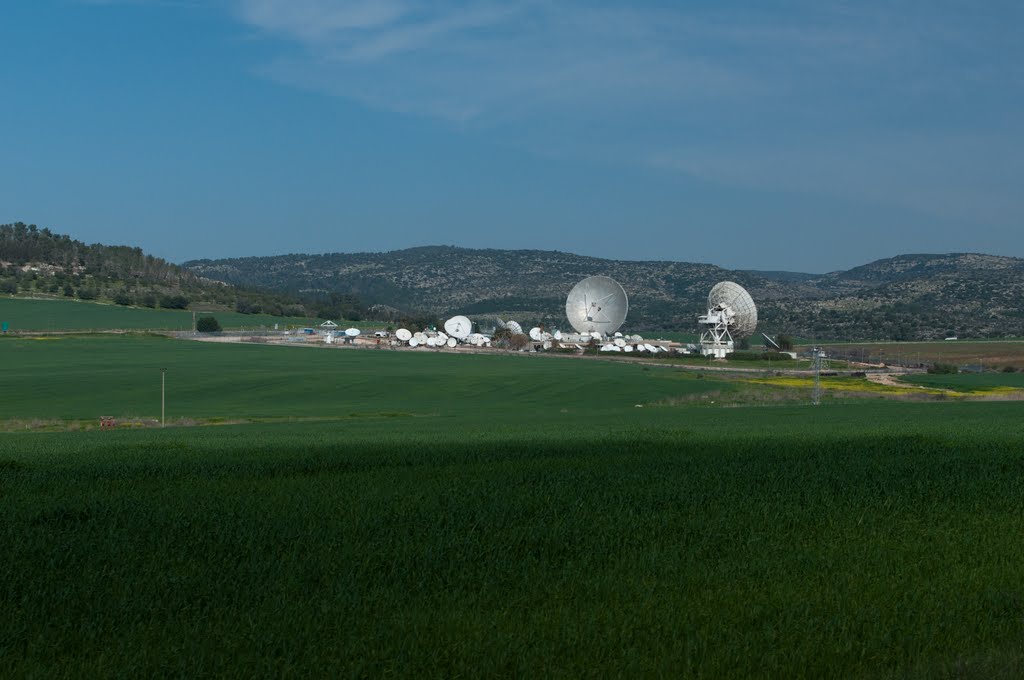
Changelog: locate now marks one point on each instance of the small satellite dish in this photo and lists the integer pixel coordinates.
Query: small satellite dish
(458, 327)
(431, 342)
(636, 339)
(641, 348)
(451, 342)
(352, 332)
(403, 334)
(558, 335)
(597, 303)
(649, 348)
(536, 334)
(420, 337)
(442, 338)
(618, 334)
(547, 344)
(414, 343)
(627, 348)
(619, 342)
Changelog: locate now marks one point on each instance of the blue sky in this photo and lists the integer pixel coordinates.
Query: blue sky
(808, 136)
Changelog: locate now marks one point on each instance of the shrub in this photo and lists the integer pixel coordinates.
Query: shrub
(174, 301)
(1009, 369)
(148, 300)
(8, 287)
(86, 294)
(939, 368)
(208, 324)
(122, 298)
(758, 356)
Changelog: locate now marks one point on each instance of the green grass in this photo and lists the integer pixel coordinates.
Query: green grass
(73, 377)
(30, 314)
(867, 541)
(968, 382)
(495, 515)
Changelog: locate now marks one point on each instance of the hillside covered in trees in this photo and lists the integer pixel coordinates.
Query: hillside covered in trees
(39, 262)
(909, 297)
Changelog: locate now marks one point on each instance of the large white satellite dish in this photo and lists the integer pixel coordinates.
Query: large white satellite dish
(403, 334)
(731, 314)
(352, 332)
(414, 342)
(536, 334)
(514, 327)
(458, 327)
(735, 297)
(597, 304)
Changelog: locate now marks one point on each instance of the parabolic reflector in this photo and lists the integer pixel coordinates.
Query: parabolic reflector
(735, 297)
(458, 327)
(403, 334)
(597, 304)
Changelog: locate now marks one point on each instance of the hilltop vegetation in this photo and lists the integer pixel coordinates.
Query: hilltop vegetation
(36, 261)
(910, 297)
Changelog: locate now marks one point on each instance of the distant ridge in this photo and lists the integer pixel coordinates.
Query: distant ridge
(907, 297)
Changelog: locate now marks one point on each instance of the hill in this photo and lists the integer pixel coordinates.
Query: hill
(39, 262)
(902, 298)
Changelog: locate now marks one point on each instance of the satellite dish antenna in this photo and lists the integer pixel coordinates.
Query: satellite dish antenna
(627, 348)
(414, 343)
(558, 335)
(547, 344)
(431, 342)
(536, 334)
(458, 327)
(442, 338)
(403, 334)
(731, 314)
(597, 304)
(649, 348)
(451, 342)
(352, 332)
(514, 327)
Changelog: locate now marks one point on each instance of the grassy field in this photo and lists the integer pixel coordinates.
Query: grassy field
(25, 314)
(864, 541)
(994, 353)
(493, 516)
(969, 382)
(76, 377)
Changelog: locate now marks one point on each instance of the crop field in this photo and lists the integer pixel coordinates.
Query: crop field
(36, 314)
(969, 382)
(403, 513)
(85, 377)
(993, 354)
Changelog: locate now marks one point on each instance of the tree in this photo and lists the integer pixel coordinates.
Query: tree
(785, 342)
(208, 324)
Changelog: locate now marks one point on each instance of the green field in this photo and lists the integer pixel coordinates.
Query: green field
(990, 353)
(27, 314)
(82, 377)
(492, 515)
(968, 382)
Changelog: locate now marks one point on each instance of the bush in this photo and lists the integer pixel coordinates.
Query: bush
(174, 302)
(86, 294)
(208, 324)
(1009, 369)
(122, 298)
(943, 369)
(148, 300)
(9, 287)
(69, 291)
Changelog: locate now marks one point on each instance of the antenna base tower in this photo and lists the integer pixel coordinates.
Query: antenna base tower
(716, 340)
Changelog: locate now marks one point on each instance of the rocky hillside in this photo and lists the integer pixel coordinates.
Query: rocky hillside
(902, 298)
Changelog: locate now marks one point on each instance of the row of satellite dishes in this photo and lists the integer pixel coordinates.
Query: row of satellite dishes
(596, 308)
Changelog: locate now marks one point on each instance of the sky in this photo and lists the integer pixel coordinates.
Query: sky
(794, 135)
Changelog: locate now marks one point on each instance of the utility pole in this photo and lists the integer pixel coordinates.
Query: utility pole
(163, 376)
